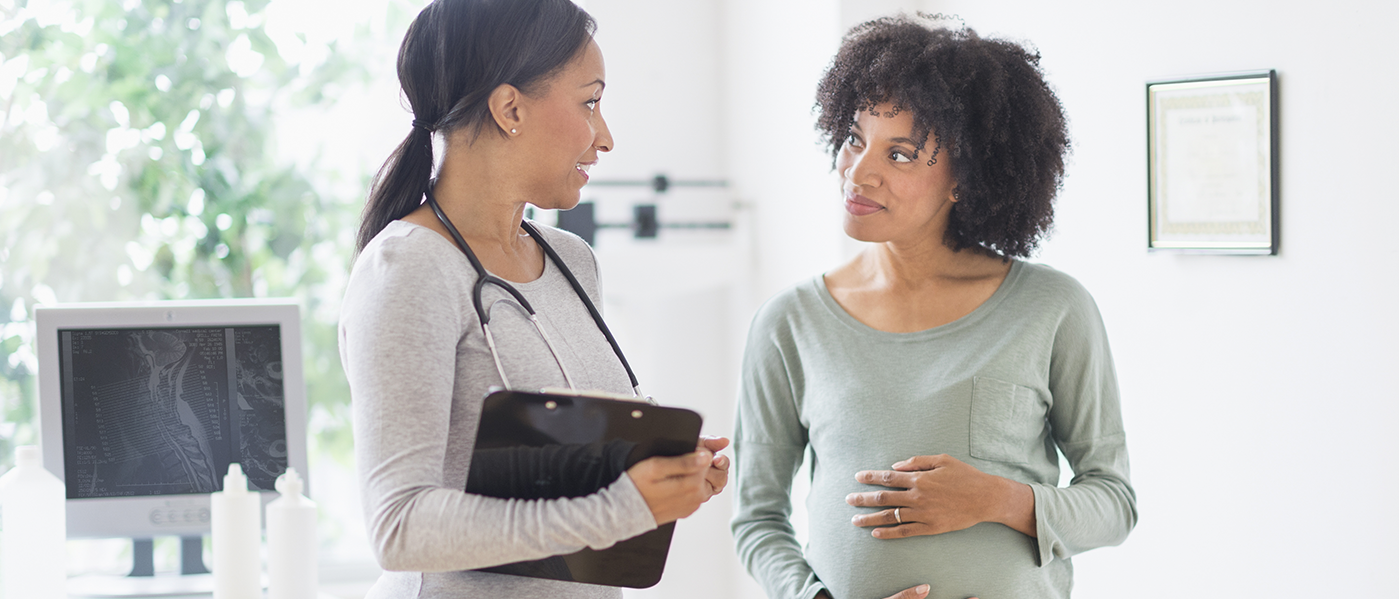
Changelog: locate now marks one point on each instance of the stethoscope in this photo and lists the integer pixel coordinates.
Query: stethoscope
(484, 278)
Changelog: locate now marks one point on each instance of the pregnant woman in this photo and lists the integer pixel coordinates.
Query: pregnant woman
(934, 378)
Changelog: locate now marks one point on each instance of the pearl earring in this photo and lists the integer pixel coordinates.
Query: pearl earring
(514, 131)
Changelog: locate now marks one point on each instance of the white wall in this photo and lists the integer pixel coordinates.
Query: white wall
(1258, 391)
(677, 304)
(775, 51)
(711, 90)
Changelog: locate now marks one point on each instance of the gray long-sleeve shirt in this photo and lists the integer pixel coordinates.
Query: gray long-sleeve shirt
(418, 367)
(1000, 388)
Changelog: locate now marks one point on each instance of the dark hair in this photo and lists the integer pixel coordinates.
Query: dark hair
(988, 106)
(454, 55)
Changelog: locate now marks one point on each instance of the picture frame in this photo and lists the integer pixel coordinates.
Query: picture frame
(1212, 164)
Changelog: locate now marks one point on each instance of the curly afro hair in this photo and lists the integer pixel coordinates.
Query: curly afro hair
(988, 107)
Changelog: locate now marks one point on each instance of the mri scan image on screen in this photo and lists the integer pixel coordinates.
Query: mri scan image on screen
(158, 411)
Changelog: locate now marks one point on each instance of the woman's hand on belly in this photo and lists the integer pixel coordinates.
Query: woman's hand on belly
(938, 494)
(918, 592)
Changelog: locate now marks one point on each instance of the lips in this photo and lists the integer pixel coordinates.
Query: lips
(859, 205)
(582, 168)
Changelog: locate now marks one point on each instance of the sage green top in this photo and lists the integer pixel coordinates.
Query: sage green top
(1002, 387)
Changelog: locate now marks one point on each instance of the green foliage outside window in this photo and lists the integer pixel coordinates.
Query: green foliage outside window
(139, 160)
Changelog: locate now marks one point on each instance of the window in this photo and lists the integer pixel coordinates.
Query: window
(179, 149)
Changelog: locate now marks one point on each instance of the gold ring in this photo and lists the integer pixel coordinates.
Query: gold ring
(896, 515)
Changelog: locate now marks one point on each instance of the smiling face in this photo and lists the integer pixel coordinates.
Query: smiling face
(889, 194)
(565, 131)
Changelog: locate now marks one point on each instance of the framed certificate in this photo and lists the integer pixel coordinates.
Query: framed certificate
(1212, 170)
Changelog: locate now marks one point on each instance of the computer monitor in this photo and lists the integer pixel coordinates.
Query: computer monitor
(142, 407)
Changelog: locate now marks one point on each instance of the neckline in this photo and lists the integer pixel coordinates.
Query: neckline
(969, 319)
(549, 265)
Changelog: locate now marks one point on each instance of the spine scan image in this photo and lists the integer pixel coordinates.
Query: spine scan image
(164, 411)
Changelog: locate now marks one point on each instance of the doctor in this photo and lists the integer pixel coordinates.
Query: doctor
(453, 292)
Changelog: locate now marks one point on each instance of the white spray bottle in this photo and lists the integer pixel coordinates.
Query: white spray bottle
(291, 541)
(34, 563)
(237, 537)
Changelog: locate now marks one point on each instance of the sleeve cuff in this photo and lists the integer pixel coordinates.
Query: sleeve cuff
(634, 515)
(1045, 538)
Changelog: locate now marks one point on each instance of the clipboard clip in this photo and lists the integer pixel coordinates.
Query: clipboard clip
(597, 395)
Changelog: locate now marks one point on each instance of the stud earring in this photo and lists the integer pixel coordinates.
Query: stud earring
(514, 131)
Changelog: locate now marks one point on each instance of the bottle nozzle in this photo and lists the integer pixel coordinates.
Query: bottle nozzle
(234, 481)
(28, 455)
(289, 483)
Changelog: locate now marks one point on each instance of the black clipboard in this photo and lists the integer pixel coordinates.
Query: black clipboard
(552, 445)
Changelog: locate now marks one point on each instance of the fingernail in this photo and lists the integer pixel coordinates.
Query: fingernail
(923, 588)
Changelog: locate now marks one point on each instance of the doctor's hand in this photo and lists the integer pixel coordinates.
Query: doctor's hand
(938, 494)
(918, 592)
(718, 474)
(673, 487)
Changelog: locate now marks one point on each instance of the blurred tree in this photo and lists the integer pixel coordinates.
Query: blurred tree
(138, 160)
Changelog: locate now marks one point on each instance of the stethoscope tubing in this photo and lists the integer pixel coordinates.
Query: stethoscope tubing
(483, 278)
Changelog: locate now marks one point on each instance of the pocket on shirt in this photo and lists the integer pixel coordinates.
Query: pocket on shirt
(1006, 420)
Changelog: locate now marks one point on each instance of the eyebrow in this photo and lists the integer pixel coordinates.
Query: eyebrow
(855, 127)
(595, 81)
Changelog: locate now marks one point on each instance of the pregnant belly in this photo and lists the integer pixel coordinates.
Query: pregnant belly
(988, 561)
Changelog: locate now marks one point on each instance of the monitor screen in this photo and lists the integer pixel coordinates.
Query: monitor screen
(144, 406)
(161, 411)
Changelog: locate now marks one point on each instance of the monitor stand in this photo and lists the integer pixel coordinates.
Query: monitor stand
(194, 579)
